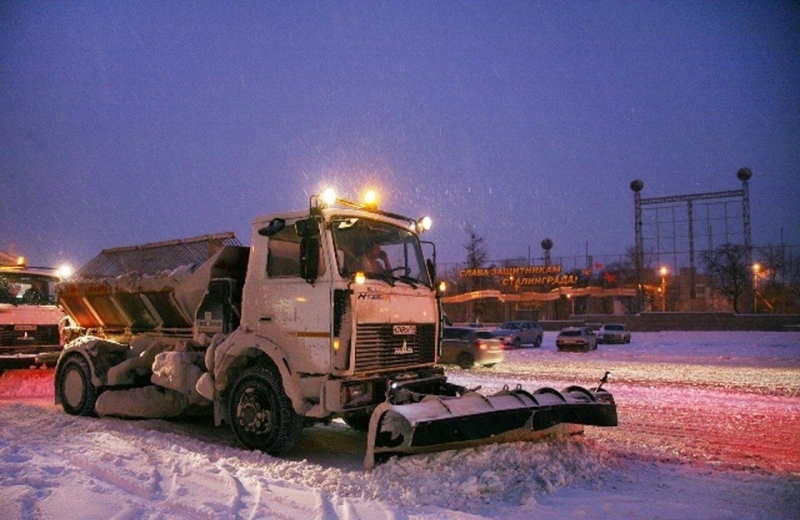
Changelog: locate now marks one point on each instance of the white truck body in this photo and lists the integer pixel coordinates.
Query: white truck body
(287, 332)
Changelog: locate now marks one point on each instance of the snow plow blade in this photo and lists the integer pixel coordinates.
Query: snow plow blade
(438, 423)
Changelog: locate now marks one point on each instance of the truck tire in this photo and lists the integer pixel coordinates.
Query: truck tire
(465, 360)
(74, 387)
(262, 416)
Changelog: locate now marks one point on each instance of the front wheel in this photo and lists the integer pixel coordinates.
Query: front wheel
(537, 342)
(74, 387)
(261, 414)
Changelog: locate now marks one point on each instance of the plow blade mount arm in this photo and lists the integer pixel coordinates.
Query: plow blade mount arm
(438, 423)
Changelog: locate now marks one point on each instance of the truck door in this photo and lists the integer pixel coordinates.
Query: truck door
(293, 312)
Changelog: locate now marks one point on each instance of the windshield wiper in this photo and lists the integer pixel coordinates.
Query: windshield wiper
(390, 278)
(385, 276)
(410, 280)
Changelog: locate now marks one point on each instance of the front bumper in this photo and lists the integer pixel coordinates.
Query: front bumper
(345, 395)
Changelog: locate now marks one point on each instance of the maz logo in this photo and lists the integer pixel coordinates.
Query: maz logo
(405, 349)
(371, 296)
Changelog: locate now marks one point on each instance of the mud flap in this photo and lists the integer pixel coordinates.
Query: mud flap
(439, 423)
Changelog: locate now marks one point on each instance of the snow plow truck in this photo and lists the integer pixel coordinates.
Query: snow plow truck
(331, 312)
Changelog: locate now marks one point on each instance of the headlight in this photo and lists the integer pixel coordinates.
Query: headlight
(424, 223)
(357, 394)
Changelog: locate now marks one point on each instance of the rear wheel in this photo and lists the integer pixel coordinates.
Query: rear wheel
(261, 414)
(537, 342)
(517, 343)
(74, 387)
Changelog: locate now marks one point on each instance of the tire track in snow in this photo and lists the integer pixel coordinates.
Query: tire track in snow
(118, 462)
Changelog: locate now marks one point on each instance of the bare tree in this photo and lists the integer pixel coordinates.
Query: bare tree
(779, 284)
(477, 254)
(727, 271)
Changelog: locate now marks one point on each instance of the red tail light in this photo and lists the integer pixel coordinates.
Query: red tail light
(481, 345)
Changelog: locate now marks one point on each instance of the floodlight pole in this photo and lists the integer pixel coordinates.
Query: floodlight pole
(744, 175)
(638, 252)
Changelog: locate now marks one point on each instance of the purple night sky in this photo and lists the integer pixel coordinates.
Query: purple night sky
(131, 122)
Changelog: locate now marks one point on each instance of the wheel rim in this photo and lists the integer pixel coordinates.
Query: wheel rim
(252, 415)
(74, 388)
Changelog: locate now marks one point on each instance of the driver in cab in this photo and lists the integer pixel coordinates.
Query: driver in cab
(374, 260)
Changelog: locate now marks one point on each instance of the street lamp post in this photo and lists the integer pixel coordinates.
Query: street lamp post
(572, 304)
(664, 272)
(756, 269)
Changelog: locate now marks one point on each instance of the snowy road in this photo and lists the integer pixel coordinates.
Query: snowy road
(739, 409)
(708, 427)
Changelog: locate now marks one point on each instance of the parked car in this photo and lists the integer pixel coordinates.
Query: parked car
(576, 339)
(518, 333)
(467, 347)
(614, 333)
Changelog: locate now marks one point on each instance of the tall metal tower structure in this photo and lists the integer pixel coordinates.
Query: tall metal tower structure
(671, 245)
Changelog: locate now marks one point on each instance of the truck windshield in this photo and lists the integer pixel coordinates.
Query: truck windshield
(18, 288)
(379, 250)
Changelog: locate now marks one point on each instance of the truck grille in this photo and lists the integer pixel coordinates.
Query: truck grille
(378, 348)
(28, 339)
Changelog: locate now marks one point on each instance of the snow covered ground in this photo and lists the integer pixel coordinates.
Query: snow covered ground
(708, 430)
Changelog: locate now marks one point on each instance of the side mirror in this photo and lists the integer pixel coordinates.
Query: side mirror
(309, 258)
(273, 227)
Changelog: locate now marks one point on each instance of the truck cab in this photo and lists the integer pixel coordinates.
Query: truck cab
(29, 316)
(345, 294)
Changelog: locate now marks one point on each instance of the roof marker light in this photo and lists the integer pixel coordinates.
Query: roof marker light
(328, 196)
(371, 200)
